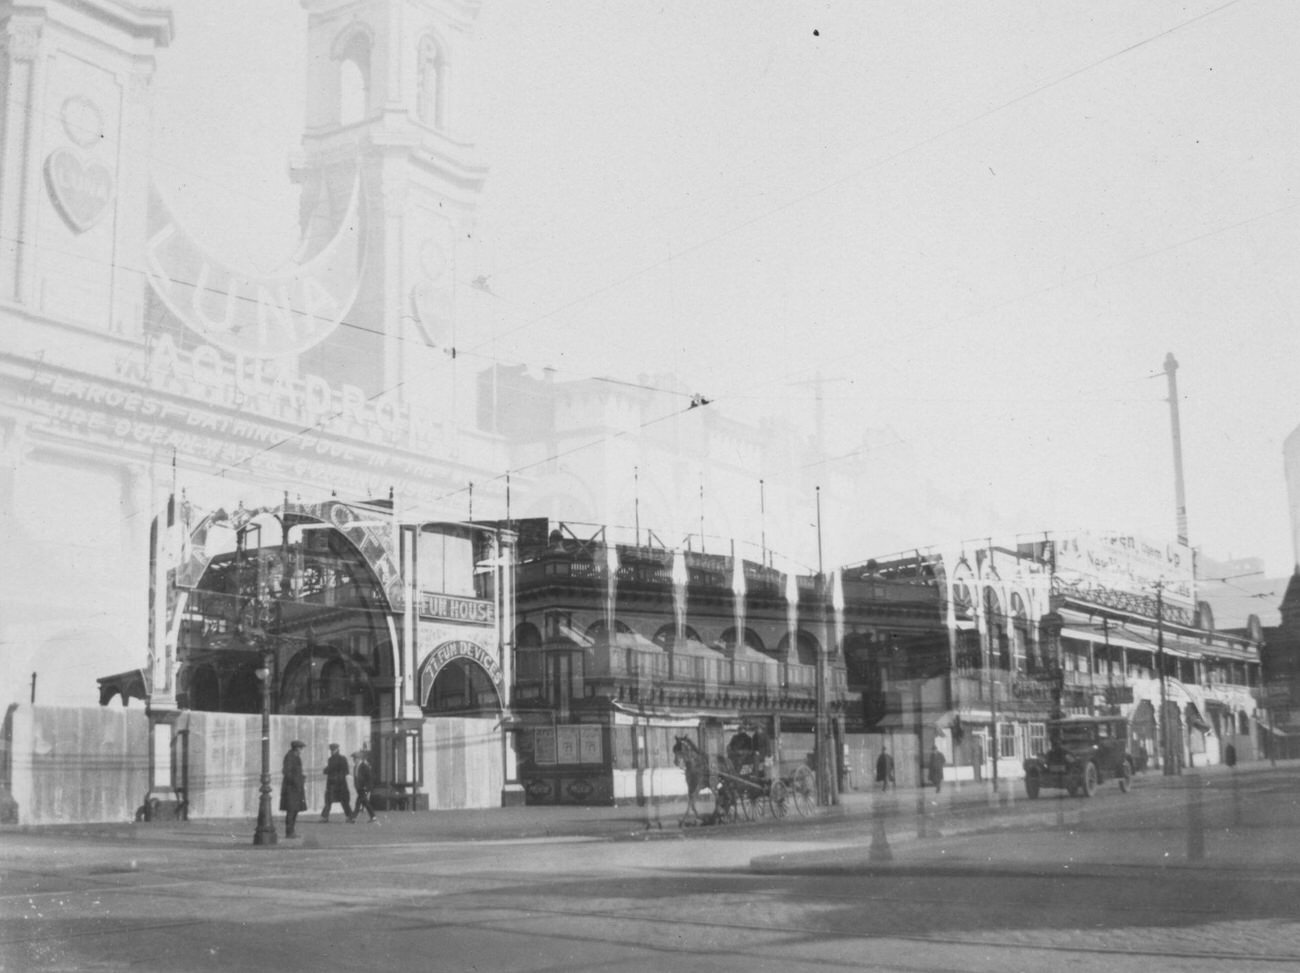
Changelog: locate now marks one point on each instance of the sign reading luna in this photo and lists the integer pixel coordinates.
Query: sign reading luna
(449, 652)
(255, 316)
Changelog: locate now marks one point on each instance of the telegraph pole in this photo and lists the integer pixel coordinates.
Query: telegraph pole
(820, 754)
(1180, 498)
(1166, 742)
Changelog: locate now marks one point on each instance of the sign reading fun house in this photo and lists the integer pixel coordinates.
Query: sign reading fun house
(452, 608)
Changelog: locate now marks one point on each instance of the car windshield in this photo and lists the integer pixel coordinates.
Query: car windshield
(1074, 734)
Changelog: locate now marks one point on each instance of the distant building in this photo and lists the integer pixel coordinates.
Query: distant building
(1281, 657)
(622, 647)
(1086, 623)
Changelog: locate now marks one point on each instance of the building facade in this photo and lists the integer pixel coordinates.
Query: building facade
(1099, 624)
(155, 398)
(621, 647)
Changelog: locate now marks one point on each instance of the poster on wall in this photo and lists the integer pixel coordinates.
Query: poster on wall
(566, 744)
(544, 746)
(591, 748)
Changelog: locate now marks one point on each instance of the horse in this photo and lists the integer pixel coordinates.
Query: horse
(695, 763)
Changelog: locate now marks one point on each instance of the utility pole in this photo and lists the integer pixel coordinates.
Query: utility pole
(823, 750)
(1166, 742)
(1180, 498)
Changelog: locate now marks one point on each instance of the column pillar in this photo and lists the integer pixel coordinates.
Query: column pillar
(22, 41)
(162, 803)
(512, 792)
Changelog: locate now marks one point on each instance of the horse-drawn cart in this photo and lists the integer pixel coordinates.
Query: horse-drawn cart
(743, 790)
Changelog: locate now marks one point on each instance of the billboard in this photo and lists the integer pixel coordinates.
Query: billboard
(1104, 564)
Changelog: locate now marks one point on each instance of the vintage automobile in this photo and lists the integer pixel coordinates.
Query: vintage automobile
(1083, 752)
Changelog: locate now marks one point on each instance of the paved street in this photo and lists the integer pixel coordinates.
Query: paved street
(1200, 872)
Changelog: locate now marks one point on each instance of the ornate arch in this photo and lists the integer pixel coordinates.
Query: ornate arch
(368, 540)
(474, 666)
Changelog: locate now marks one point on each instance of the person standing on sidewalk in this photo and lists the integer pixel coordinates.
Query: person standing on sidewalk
(936, 767)
(293, 787)
(884, 769)
(336, 783)
(363, 779)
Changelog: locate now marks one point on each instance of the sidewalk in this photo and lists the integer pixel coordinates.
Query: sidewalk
(891, 819)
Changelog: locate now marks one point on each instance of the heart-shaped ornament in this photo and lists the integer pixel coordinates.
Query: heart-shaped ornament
(81, 190)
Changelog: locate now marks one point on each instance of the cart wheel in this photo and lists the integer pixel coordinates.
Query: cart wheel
(803, 789)
(776, 797)
(745, 805)
(757, 805)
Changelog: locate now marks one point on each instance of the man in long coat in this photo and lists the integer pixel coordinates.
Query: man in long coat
(937, 761)
(336, 783)
(293, 787)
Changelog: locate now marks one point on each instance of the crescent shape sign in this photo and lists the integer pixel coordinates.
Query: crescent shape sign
(255, 316)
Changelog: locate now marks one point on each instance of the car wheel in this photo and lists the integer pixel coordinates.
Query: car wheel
(1031, 787)
(1089, 780)
(1125, 777)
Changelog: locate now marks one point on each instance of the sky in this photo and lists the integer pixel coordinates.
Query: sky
(978, 229)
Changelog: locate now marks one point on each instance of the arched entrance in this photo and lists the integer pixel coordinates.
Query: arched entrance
(461, 692)
(308, 585)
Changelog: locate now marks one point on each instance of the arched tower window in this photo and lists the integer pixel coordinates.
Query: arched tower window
(432, 74)
(354, 78)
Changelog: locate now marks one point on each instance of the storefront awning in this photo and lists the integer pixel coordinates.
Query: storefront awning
(907, 721)
(1097, 636)
(1084, 628)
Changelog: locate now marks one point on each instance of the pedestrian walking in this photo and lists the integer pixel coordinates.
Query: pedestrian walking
(363, 779)
(884, 769)
(936, 767)
(293, 787)
(336, 783)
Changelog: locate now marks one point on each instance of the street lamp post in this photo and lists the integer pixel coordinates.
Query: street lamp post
(265, 833)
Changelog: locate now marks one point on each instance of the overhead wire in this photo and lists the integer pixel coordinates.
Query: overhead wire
(476, 350)
(879, 163)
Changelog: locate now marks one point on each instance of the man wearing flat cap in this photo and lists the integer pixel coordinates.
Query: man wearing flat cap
(293, 787)
(363, 779)
(336, 783)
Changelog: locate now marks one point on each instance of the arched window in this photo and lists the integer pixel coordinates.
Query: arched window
(430, 99)
(748, 637)
(354, 79)
(1022, 650)
(598, 631)
(666, 636)
(806, 648)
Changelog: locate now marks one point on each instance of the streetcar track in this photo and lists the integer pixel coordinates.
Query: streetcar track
(517, 915)
(510, 915)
